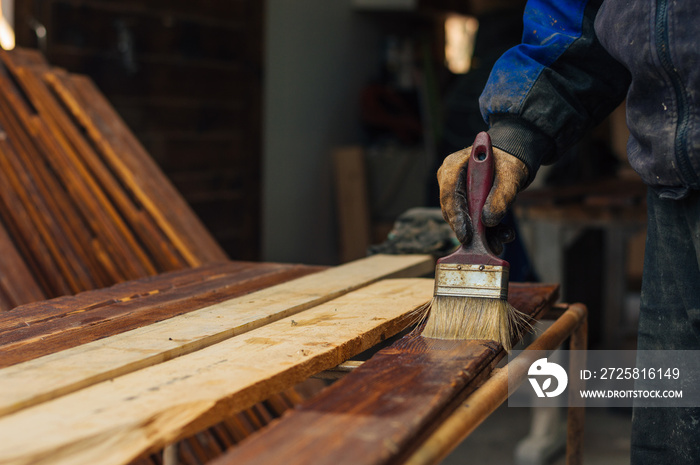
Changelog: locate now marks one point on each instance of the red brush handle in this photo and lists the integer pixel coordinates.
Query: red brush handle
(480, 173)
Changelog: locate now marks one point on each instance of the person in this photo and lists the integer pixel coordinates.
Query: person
(578, 61)
(500, 28)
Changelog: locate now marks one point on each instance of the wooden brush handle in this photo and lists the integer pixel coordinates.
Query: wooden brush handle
(480, 174)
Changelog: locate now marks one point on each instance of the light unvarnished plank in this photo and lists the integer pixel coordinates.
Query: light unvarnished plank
(48, 377)
(115, 421)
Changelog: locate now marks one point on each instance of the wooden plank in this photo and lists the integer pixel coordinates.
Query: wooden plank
(30, 244)
(42, 184)
(110, 232)
(381, 411)
(53, 375)
(126, 291)
(80, 224)
(128, 159)
(402, 388)
(17, 285)
(494, 391)
(90, 166)
(18, 182)
(50, 326)
(117, 420)
(86, 191)
(37, 206)
(352, 202)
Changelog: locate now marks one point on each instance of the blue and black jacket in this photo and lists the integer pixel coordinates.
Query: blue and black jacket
(578, 60)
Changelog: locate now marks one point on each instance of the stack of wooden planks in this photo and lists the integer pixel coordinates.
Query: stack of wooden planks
(82, 205)
(186, 78)
(115, 395)
(34, 331)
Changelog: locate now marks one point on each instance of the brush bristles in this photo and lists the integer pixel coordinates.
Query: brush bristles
(475, 318)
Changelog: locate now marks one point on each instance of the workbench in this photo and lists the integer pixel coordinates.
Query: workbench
(109, 375)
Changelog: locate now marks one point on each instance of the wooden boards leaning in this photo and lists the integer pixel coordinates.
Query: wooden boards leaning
(82, 203)
(12, 264)
(56, 374)
(116, 420)
(381, 411)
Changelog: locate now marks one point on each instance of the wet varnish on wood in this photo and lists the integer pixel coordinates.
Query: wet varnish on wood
(381, 411)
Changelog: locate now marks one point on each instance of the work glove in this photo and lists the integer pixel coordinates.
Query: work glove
(510, 176)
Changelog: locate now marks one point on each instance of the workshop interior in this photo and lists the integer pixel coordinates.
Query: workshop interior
(219, 224)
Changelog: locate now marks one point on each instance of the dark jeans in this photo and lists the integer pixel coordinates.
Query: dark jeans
(669, 320)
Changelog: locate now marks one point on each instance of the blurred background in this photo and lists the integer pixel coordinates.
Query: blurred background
(301, 130)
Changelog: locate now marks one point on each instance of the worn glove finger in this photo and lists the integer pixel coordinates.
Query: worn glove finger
(453, 196)
(505, 234)
(510, 177)
(498, 236)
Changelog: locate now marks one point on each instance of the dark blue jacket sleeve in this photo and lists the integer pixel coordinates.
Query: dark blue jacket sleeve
(543, 94)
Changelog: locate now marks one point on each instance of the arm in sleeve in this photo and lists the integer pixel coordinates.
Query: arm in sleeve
(543, 94)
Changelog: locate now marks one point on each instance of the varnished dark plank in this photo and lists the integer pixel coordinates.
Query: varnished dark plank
(383, 410)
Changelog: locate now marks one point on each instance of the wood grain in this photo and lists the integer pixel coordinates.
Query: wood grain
(111, 233)
(62, 372)
(494, 391)
(12, 267)
(81, 201)
(127, 157)
(45, 327)
(114, 421)
(381, 411)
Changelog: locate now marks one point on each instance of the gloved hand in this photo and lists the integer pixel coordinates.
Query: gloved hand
(510, 177)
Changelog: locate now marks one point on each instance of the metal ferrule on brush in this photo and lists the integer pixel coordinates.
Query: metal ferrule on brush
(465, 280)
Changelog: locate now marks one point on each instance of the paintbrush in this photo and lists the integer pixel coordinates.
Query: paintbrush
(471, 284)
